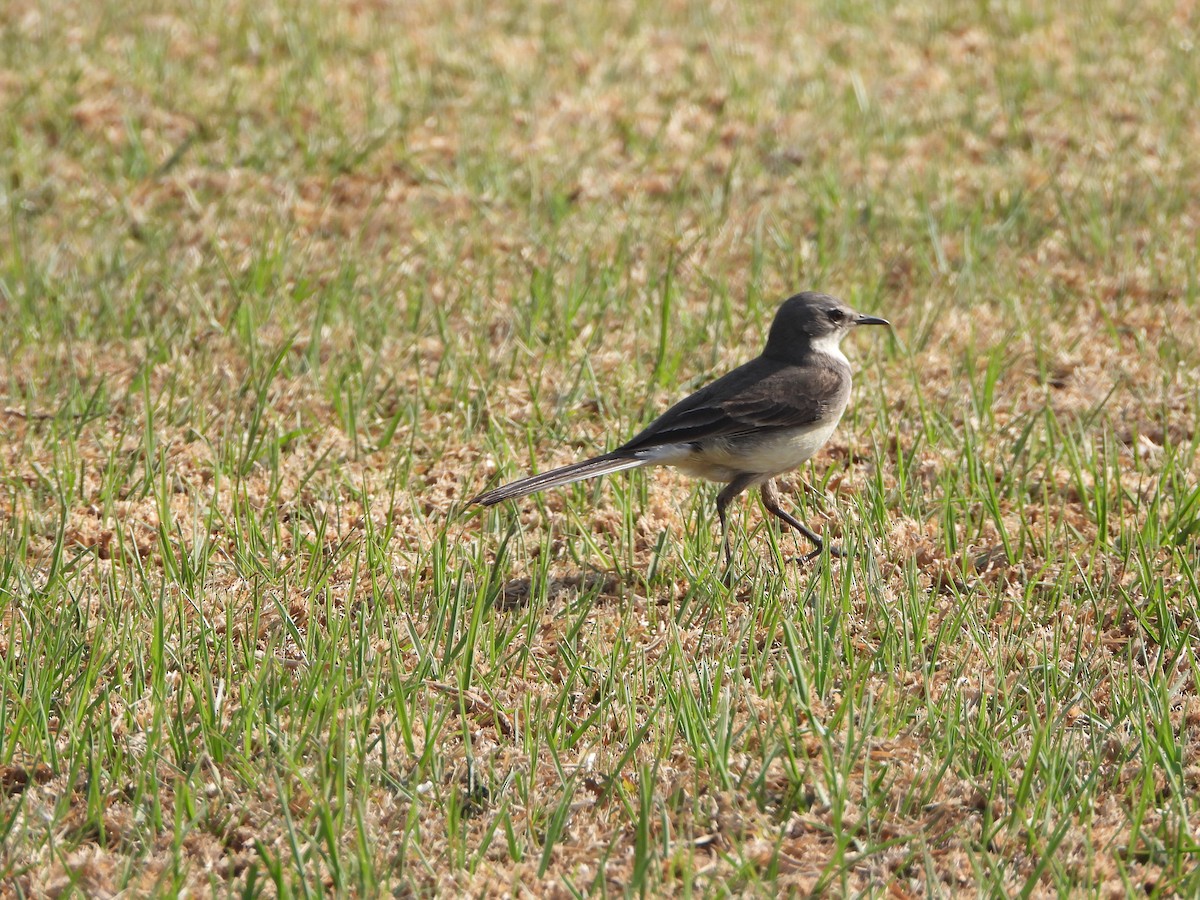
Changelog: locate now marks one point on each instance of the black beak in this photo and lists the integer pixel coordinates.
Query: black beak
(872, 320)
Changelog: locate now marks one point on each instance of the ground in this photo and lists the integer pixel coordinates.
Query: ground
(282, 285)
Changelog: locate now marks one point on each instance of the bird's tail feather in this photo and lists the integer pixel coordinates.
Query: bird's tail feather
(589, 468)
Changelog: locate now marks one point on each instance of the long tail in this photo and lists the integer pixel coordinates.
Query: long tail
(589, 468)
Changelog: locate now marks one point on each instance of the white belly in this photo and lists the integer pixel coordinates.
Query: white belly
(723, 459)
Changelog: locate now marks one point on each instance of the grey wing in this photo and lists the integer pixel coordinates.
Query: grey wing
(759, 395)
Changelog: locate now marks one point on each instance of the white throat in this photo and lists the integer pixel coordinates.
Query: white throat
(829, 344)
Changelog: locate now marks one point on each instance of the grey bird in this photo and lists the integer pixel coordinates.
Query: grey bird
(764, 418)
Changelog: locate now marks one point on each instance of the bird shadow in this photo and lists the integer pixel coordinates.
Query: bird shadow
(570, 588)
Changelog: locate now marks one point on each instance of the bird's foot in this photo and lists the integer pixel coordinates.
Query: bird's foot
(834, 550)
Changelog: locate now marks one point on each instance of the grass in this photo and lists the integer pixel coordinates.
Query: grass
(281, 285)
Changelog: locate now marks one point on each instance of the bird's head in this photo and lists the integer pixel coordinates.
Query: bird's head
(812, 321)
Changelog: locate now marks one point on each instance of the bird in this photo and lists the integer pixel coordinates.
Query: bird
(761, 420)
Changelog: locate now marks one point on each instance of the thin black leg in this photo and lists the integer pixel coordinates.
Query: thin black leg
(770, 499)
(731, 490)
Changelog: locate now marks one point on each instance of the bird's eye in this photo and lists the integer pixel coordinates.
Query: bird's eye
(835, 315)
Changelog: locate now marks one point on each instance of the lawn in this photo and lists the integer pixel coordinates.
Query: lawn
(283, 284)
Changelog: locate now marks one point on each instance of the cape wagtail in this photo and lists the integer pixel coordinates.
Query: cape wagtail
(764, 418)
